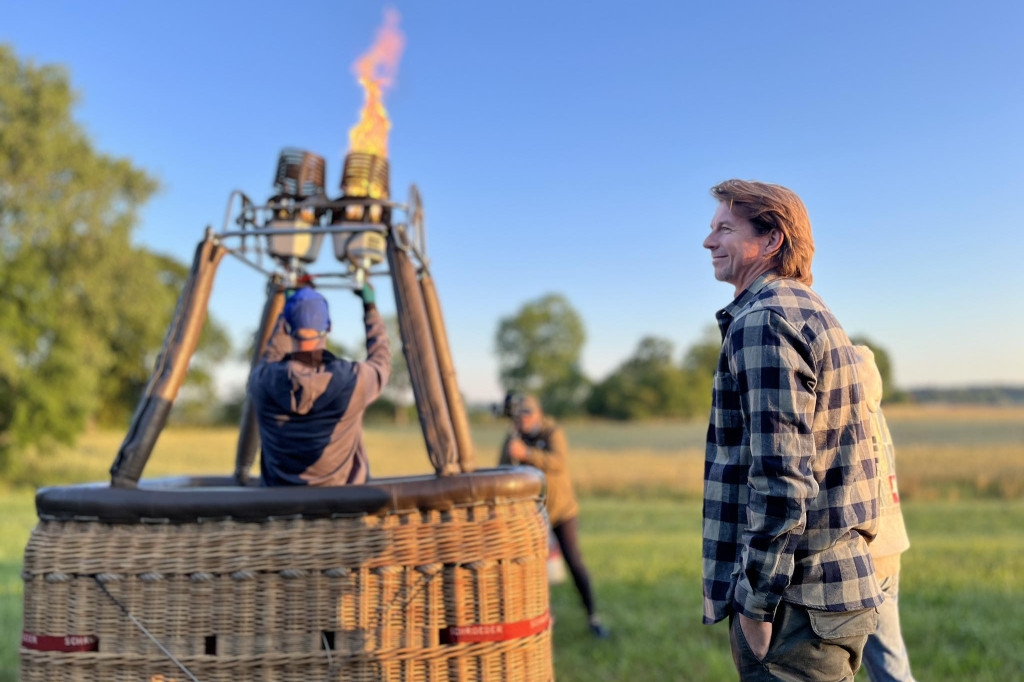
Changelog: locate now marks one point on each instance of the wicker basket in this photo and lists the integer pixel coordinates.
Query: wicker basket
(402, 579)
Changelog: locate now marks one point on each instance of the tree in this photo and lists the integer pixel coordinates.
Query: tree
(81, 305)
(699, 364)
(702, 357)
(648, 384)
(538, 351)
(156, 282)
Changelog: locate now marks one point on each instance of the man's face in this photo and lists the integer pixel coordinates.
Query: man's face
(738, 254)
(527, 419)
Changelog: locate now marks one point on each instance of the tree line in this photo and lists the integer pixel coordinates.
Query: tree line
(539, 350)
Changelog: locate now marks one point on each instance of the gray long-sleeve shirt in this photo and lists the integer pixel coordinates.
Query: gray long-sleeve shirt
(309, 406)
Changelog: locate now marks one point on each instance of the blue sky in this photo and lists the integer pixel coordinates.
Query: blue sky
(569, 147)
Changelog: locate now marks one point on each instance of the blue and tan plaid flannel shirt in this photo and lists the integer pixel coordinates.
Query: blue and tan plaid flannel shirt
(789, 476)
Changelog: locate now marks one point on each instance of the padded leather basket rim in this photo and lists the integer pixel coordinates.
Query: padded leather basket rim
(193, 499)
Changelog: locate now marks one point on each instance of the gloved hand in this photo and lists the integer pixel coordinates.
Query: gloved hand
(304, 280)
(367, 294)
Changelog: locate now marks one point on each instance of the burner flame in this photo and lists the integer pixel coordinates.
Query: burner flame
(376, 70)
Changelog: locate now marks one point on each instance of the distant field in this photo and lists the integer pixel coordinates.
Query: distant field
(943, 453)
(961, 474)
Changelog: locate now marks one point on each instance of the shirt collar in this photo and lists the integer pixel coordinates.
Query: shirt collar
(318, 356)
(725, 315)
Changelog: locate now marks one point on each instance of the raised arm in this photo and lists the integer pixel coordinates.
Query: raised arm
(375, 371)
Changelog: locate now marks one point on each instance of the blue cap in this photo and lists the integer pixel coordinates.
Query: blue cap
(307, 309)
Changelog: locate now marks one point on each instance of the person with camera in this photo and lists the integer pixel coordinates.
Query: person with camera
(309, 404)
(538, 441)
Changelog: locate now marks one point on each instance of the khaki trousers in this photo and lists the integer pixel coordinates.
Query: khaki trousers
(807, 645)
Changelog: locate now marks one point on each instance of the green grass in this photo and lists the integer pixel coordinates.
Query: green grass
(17, 517)
(644, 560)
(961, 595)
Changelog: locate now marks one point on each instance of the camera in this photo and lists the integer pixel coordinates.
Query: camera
(505, 409)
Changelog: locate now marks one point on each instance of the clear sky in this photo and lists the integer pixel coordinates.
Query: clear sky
(569, 147)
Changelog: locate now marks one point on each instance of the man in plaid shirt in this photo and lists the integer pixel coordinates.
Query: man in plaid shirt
(790, 488)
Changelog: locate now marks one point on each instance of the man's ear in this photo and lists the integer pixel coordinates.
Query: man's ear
(775, 239)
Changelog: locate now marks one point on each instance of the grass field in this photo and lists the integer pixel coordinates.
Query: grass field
(962, 597)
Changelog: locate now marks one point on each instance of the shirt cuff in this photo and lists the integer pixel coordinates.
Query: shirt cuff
(755, 606)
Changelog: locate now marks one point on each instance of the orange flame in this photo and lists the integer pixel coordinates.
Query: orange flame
(376, 70)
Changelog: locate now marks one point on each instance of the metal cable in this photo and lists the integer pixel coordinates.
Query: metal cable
(146, 632)
(330, 663)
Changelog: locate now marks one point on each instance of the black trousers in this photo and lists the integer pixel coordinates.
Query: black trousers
(566, 534)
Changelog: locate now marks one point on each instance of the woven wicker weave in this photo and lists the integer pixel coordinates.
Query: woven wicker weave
(357, 597)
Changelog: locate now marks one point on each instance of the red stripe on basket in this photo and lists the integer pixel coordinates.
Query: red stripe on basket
(64, 643)
(495, 632)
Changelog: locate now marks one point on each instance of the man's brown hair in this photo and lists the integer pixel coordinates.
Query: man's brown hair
(774, 207)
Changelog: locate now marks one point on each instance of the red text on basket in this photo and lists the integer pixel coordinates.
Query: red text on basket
(495, 632)
(59, 643)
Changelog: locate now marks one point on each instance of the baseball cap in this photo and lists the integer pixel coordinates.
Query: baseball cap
(524, 405)
(306, 309)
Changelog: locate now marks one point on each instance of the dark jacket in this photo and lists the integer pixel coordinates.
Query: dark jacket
(309, 406)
